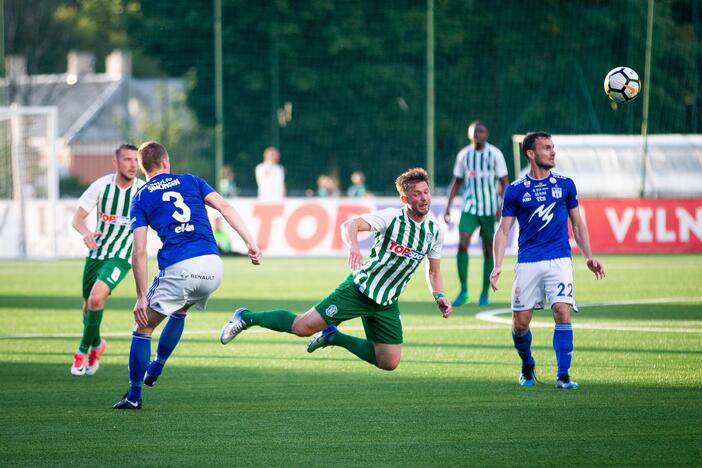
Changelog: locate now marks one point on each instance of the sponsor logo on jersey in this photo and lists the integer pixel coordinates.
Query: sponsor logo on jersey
(164, 184)
(202, 277)
(556, 192)
(400, 249)
(526, 197)
(552, 180)
(544, 213)
(113, 219)
(185, 227)
(471, 173)
(331, 310)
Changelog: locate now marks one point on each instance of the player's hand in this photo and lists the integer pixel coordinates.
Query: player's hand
(494, 277)
(140, 315)
(445, 307)
(447, 216)
(254, 254)
(90, 239)
(498, 215)
(355, 258)
(596, 267)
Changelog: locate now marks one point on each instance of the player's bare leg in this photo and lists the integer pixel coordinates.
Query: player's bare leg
(563, 344)
(521, 335)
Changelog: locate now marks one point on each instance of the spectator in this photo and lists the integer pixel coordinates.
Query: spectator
(221, 236)
(327, 187)
(270, 176)
(227, 185)
(358, 185)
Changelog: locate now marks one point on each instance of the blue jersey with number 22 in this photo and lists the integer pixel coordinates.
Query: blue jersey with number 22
(173, 205)
(541, 208)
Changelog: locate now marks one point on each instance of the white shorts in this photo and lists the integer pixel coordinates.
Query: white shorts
(188, 282)
(536, 281)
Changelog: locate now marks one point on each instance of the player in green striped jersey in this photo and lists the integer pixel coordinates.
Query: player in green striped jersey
(478, 168)
(110, 247)
(402, 238)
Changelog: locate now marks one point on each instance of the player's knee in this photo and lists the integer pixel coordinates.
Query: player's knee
(96, 302)
(300, 329)
(388, 363)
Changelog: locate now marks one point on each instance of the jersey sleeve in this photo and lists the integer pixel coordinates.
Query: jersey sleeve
(500, 164)
(435, 251)
(571, 196)
(458, 171)
(509, 207)
(137, 214)
(89, 199)
(380, 220)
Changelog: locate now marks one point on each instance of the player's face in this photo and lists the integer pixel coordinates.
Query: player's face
(544, 153)
(418, 199)
(478, 134)
(127, 163)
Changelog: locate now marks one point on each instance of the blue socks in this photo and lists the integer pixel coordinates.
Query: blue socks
(138, 360)
(170, 336)
(522, 343)
(563, 346)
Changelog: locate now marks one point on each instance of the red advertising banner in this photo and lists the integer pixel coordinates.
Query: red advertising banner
(648, 225)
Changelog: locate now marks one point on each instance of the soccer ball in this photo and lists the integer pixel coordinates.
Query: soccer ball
(622, 84)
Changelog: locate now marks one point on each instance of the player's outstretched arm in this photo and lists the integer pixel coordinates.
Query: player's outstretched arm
(89, 238)
(436, 285)
(499, 244)
(582, 239)
(216, 201)
(140, 271)
(455, 185)
(349, 235)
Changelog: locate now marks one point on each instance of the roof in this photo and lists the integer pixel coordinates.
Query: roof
(95, 107)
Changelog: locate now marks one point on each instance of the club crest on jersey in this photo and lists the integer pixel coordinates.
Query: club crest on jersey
(331, 310)
(400, 249)
(556, 192)
(527, 183)
(526, 197)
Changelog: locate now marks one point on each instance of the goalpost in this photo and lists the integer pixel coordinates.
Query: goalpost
(29, 182)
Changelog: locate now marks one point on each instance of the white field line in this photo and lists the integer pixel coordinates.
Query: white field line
(486, 316)
(492, 317)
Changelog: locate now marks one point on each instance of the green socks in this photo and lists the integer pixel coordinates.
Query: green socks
(488, 265)
(362, 348)
(276, 320)
(91, 330)
(462, 264)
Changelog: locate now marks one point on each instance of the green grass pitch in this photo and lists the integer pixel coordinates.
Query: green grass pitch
(454, 400)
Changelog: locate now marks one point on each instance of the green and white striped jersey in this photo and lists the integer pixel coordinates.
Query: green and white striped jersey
(400, 245)
(480, 171)
(112, 204)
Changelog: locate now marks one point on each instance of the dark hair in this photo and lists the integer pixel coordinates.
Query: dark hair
(530, 140)
(150, 155)
(124, 146)
(475, 123)
(409, 178)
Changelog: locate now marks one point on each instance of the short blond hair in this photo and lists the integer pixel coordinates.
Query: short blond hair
(407, 179)
(150, 155)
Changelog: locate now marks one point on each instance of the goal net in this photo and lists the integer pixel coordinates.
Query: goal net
(28, 182)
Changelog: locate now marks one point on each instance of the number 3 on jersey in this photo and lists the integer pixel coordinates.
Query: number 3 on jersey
(180, 216)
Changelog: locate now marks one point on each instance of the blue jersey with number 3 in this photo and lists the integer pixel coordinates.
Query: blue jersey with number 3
(541, 208)
(174, 206)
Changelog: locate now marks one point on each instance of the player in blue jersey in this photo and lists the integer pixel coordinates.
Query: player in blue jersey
(541, 202)
(189, 265)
